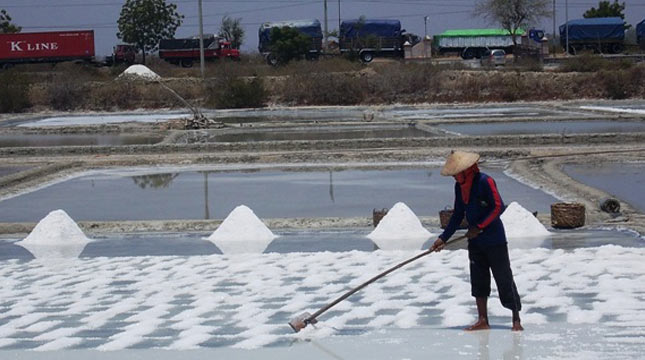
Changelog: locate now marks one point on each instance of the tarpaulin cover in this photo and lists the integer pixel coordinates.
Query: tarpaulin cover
(640, 29)
(308, 27)
(367, 27)
(609, 28)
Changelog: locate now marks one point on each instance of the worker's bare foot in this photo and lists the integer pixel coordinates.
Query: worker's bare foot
(517, 326)
(481, 324)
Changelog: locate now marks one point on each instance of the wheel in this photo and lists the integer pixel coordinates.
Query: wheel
(186, 63)
(272, 60)
(468, 54)
(367, 57)
(616, 48)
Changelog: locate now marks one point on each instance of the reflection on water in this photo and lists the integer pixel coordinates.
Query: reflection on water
(37, 140)
(270, 193)
(154, 181)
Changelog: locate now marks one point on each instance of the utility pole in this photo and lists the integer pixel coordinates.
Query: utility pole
(201, 39)
(339, 18)
(425, 26)
(553, 42)
(326, 28)
(566, 24)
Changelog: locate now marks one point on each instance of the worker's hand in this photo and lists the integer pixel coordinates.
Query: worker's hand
(472, 232)
(438, 245)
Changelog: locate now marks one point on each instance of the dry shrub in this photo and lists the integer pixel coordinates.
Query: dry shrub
(402, 82)
(593, 63)
(323, 89)
(67, 93)
(154, 95)
(14, 90)
(236, 92)
(530, 64)
(115, 95)
(622, 84)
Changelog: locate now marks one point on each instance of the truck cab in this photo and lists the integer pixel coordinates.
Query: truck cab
(123, 54)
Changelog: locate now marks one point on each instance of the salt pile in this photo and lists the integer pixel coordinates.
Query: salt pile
(55, 236)
(520, 223)
(400, 229)
(140, 71)
(242, 232)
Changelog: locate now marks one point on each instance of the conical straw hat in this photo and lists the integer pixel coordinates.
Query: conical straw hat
(458, 161)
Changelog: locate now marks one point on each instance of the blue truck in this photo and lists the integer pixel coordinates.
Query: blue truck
(640, 34)
(600, 35)
(370, 38)
(311, 28)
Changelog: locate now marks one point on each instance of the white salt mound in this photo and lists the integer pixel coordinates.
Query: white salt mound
(56, 235)
(520, 223)
(242, 232)
(140, 71)
(400, 229)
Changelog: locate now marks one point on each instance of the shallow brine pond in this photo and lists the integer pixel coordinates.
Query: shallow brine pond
(545, 127)
(624, 181)
(145, 195)
(37, 140)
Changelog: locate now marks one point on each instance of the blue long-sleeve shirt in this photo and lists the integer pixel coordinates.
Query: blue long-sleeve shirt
(483, 210)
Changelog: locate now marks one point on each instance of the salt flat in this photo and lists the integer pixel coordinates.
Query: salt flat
(245, 301)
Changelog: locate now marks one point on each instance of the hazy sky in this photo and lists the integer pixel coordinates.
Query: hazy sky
(101, 15)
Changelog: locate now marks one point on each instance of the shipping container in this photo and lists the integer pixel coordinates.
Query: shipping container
(53, 46)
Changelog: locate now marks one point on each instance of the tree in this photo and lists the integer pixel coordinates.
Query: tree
(6, 27)
(231, 30)
(607, 9)
(513, 15)
(145, 22)
(288, 44)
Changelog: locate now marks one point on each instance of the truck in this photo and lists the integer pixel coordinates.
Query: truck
(309, 27)
(600, 35)
(185, 52)
(640, 34)
(370, 38)
(474, 43)
(58, 46)
(122, 54)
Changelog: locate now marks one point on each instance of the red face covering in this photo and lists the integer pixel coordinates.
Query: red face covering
(465, 180)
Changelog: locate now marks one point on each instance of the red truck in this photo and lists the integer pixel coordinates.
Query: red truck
(57, 46)
(185, 52)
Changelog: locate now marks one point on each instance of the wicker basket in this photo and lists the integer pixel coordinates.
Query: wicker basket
(377, 215)
(567, 215)
(444, 218)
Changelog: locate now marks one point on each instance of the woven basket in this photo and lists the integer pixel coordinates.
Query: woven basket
(444, 218)
(567, 215)
(377, 215)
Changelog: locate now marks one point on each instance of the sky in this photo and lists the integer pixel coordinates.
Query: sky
(101, 15)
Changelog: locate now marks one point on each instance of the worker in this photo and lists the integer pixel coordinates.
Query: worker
(477, 198)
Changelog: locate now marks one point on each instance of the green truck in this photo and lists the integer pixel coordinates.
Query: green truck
(474, 43)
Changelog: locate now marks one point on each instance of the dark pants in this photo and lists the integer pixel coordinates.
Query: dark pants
(494, 258)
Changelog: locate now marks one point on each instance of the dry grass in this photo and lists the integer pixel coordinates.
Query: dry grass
(334, 81)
